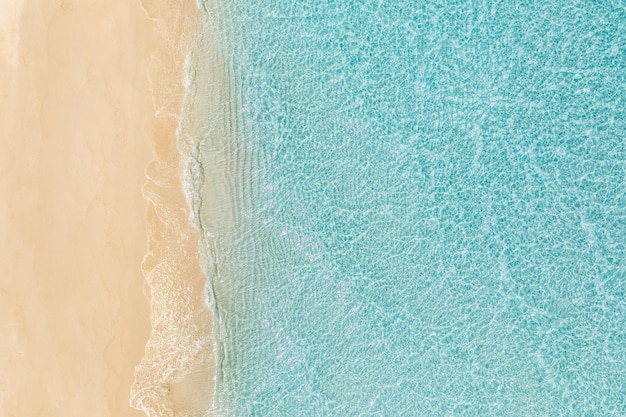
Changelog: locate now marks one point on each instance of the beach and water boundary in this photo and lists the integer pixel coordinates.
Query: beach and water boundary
(180, 373)
(190, 189)
(91, 169)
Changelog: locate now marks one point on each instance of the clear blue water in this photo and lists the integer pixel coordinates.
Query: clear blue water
(432, 209)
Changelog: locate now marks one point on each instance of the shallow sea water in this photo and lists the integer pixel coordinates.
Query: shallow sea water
(431, 209)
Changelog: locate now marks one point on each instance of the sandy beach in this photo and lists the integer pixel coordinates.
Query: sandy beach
(79, 127)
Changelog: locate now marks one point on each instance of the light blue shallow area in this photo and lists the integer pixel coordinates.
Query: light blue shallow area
(433, 219)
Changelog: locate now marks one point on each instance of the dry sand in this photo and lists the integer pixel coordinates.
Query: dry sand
(77, 132)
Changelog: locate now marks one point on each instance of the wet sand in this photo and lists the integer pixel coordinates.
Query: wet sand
(78, 131)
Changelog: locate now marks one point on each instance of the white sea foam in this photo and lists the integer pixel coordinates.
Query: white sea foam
(177, 375)
(175, 340)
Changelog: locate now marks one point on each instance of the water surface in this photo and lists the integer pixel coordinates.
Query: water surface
(432, 217)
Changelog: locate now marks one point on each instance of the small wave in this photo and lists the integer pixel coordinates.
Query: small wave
(177, 374)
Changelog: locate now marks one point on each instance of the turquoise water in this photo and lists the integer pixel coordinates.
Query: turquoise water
(432, 209)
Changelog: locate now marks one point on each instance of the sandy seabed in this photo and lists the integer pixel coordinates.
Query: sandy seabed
(90, 94)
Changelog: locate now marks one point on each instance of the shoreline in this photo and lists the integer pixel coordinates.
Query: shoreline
(189, 188)
(118, 125)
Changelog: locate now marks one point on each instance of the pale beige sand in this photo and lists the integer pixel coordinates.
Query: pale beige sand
(77, 130)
